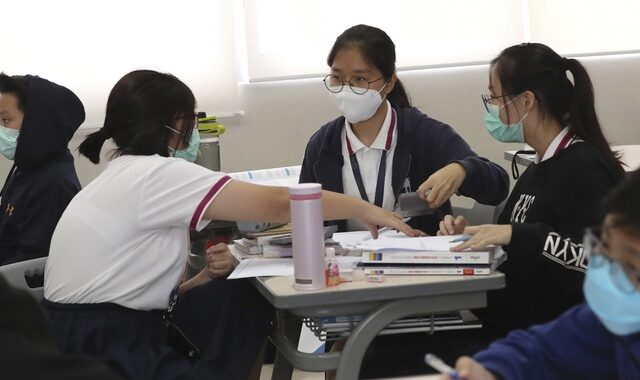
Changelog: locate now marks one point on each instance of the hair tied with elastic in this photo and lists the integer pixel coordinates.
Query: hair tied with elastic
(565, 64)
(104, 134)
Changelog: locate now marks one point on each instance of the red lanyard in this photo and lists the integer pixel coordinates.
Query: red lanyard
(565, 142)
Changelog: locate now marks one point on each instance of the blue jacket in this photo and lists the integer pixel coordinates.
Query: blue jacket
(576, 345)
(423, 147)
(43, 179)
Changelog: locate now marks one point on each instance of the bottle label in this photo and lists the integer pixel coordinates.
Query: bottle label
(304, 281)
(332, 274)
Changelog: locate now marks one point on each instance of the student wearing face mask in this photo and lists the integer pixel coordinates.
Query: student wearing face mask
(120, 248)
(533, 100)
(382, 146)
(596, 340)
(37, 120)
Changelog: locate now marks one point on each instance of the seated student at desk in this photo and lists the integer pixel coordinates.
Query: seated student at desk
(120, 248)
(37, 120)
(541, 227)
(597, 340)
(383, 146)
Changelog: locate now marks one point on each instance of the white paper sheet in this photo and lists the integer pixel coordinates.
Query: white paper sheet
(426, 243)
(281, 267)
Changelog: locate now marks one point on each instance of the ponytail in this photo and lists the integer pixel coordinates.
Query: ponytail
(536, 67)
(398, 96)
(583, 120)
(92, 145)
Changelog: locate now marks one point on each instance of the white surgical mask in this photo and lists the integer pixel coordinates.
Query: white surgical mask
(357, 107)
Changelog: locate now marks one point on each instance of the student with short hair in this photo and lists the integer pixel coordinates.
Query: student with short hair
(120, 248)
(381, 146)
(596, 340)
(37, 120)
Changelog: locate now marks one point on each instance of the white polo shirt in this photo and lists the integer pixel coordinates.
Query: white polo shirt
(369, 163)
(124, 238)
(561, 141)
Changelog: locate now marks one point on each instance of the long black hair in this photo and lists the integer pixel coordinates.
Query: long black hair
(377, 48)
(537, 68)
(140, 107)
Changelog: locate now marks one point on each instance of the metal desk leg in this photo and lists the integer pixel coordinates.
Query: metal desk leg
(290, 326)
(369, 327)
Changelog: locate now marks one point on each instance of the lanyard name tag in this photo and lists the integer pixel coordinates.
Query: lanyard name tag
(355, 167)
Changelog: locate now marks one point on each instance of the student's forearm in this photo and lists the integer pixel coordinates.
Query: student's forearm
(339, 206)
(197, 280)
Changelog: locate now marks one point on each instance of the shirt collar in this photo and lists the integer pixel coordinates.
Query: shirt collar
(551, 149)
(380, 140)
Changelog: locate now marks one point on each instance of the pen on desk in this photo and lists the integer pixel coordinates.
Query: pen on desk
(383, 229)
(461, 238)
(440, 366)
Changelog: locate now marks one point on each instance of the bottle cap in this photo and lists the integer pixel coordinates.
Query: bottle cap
(305, 189)
(330, 252)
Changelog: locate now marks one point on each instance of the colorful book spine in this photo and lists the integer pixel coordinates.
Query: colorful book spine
(416, 257)
(426, 270)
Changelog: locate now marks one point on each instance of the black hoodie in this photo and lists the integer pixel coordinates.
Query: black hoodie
(27, 347)
(43, 179)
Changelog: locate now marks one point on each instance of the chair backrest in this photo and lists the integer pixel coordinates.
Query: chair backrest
(27, 275)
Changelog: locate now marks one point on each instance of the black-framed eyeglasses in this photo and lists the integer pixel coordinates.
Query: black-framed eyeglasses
(487, 98)
(598, 253)
(359, 85)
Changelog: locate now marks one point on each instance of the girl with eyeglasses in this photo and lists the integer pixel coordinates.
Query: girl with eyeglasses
(119, 250)
(547, 101)
(596, 340)
(382, 146)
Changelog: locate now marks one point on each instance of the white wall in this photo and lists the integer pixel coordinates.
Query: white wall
(282, 115)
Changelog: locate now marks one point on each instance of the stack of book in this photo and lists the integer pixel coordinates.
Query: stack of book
(430, 255)
(262, 243)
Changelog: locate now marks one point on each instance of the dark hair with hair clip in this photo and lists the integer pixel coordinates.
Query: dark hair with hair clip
(16, 85)
(140, 107)
(537, 68)
(377, 48)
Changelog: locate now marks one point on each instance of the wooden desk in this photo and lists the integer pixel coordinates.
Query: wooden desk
(379, 303)
(630, 156)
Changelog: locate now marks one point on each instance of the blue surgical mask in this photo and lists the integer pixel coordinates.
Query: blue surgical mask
(499, 130)
(8, 141)
(190, 153)
(618, 311)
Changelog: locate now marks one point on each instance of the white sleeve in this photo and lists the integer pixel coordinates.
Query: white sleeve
(177, 194)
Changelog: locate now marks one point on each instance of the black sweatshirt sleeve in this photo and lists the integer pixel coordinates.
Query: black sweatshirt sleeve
(485, 181)
(555, 254)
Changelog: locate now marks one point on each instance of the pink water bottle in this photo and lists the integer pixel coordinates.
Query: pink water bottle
(308, 236)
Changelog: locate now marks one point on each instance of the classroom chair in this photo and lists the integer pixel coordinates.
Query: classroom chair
(27, 275)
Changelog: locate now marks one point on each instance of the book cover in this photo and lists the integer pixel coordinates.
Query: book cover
(378, 268)
(429, 257)
(427, 270)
